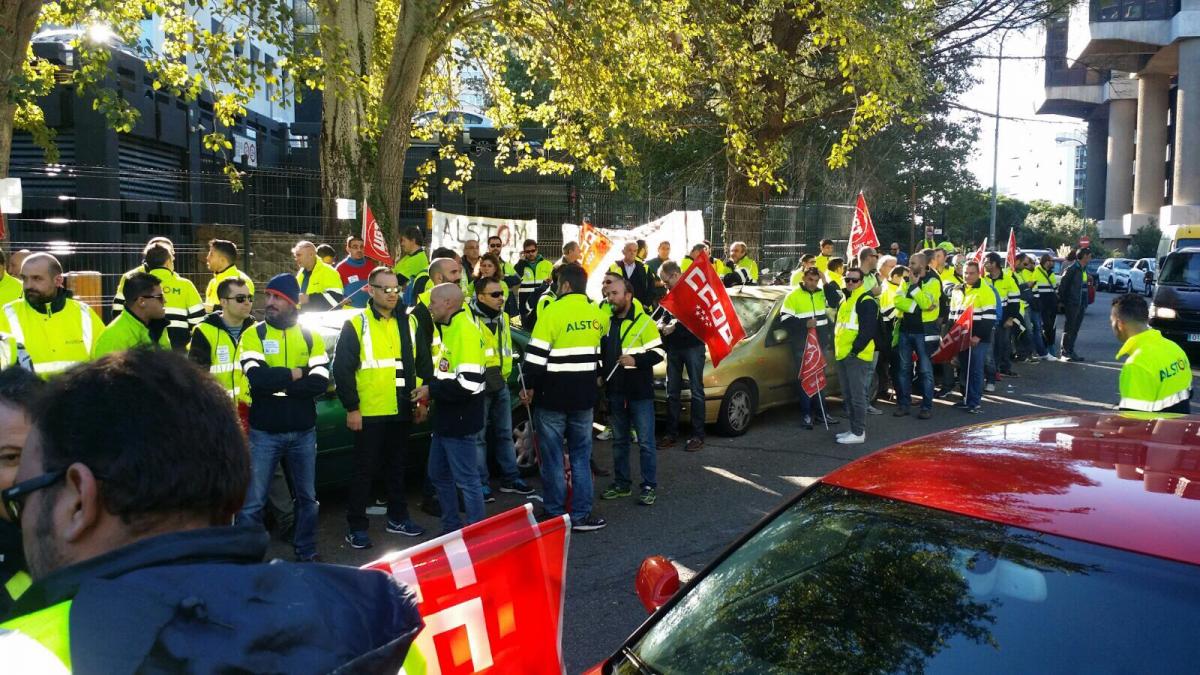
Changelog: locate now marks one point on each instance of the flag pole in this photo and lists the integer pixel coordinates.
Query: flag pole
(967, 379)
(635, 337)
(821, 402)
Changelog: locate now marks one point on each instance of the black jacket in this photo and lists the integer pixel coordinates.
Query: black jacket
(868, 323)
(12, 560)
(283, 414)
(1070, 287)
(640, 280)
(680, 339)
(202, 601)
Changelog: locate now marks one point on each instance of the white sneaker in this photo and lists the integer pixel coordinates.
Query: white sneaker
(842, 434)
(872, 410)
(605, 435)
(1049, 357)
(990, 386)
(851, 439)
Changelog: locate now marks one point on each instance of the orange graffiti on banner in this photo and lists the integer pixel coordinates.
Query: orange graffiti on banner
(593, 246)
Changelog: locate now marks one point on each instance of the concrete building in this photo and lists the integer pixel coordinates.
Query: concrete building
(1131, 69)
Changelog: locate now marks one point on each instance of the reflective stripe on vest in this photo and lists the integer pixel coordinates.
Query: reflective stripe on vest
(52, 367)
(39, 642)
(368, 361)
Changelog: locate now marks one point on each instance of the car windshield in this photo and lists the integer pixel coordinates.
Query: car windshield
(1122, 264)
(847, 582)
(752, 312)
(1182, 270)
(1186, 242)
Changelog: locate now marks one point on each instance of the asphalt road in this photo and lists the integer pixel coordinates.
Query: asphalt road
(706, 499)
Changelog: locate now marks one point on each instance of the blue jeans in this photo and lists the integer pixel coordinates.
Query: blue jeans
(692, 360)
(575, 428)
(298, 450)
(452, 464)
(497, 431)
(914, 343)
(639, 415)
(973, 371)
(1035, 330)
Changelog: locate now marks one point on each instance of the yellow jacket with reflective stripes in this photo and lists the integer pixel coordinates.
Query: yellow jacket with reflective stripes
(323, 286)
(184, 307)
(983, 299)
(55, 337)
(128, 332)
(563, 355)
(458, 384)
(411, 264)
(213, 348)
(1156, 375)
(381, 373)
(497, 343)
(211, 301)
(847, 327)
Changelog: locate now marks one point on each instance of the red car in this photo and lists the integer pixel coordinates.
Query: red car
(1053, 543)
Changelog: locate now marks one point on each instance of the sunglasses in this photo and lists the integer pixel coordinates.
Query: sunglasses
(390, 290)
(853, 280)
(239, 298)
(158, 297)
(14, 497)
(494, 294)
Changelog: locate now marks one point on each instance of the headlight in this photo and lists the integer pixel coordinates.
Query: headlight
(1162, 312)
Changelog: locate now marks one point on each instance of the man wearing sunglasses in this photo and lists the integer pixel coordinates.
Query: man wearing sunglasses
(18, 391)
(215, 340)
(182, 302)
(144, 321)
(854, 347)
(534, 271)
(135, 565)
(496, 437)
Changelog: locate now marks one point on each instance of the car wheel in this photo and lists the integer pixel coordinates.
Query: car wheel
(737, 409)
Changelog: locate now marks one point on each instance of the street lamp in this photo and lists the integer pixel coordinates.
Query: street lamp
(996, 138)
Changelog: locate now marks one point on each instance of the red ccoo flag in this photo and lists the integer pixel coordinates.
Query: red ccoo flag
(957, 338)
(1011, 254)
(812, 370)
(491, 596)
(374, 243)
(977, 256)
(700, 303)
(862, 230)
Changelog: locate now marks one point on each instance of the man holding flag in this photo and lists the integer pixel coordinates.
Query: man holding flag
(918, 302)
(973, 295)
(805, 317)
(685, 353)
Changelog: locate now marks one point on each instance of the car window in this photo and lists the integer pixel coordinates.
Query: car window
(847, 582)
(1181, 269)
(1186, 242)
(752, 312)
(1123, 264)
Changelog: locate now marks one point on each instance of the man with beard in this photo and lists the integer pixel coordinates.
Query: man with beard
(131, 472)
(18, 390)
(56, 330)
(286, 368)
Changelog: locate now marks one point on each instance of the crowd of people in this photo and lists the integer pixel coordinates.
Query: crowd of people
(432, 339)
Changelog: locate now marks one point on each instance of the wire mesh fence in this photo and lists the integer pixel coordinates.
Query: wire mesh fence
(98, 219)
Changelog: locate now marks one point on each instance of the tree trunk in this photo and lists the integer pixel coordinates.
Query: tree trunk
(743, 213)
(17, 21)
(348, 36)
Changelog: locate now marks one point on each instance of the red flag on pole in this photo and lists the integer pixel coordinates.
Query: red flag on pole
(374, 243)
(593, 246)
(1011, 254)
(491, 595)
(862, 230)
(812, 369)
(957, 338)
(700, 303)
(977, 256)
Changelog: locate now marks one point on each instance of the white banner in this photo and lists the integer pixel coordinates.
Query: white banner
(453, 230)
(681, 229)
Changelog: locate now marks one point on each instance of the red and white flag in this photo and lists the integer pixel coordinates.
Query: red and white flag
(1011, 254)
(957, 338)
(812, 369)
(491, 595)
(862, 230)
(374, 243)
(593, 246)
(700, 303)
(977, 256)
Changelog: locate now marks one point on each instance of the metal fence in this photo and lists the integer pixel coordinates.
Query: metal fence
(99, 218)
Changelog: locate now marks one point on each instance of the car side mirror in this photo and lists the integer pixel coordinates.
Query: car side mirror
(657, 581)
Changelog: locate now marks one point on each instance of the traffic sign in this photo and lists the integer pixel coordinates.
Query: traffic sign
(1084, 242)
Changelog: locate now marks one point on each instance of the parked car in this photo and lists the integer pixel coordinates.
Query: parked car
(335, 442)
(1175, 309)
(1113, 274)
(759, 374)
(1051, 543)
(1141, 277)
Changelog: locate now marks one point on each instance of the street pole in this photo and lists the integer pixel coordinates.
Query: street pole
(996, 139)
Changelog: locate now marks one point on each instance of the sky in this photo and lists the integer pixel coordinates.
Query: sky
(1027, 148)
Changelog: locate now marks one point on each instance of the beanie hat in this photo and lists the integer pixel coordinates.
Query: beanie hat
(285, 286)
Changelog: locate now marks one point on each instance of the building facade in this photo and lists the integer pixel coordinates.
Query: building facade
(1131, 70)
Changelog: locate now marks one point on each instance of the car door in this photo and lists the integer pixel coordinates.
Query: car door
(775, 367)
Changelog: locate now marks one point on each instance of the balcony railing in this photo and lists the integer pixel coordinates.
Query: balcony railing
(1133, 10)
(1077, 76)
